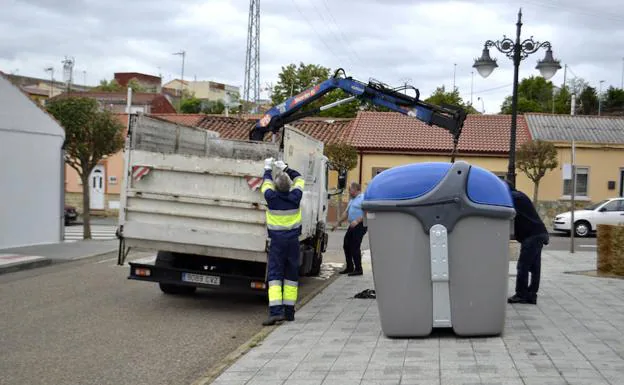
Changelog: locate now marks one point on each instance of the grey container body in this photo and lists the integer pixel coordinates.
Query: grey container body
(474, 283)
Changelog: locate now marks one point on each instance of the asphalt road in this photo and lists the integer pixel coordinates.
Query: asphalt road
(562, 242)
(86, 323)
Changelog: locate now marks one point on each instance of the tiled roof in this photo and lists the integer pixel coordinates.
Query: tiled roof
(185, 119)
(392, 131)
(582, 128)
(323, 129)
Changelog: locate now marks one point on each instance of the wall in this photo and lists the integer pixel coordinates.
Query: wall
(604, 163)
(30, 207)
(113, 167)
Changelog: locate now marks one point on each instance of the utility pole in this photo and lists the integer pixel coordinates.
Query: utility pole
(84, 75)
(51, 70)
(622, 81)
(600, 98)
(183, 54)
(454, 72)
(572, 196)
(471, 86)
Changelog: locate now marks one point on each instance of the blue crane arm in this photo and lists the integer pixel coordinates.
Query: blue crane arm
(448, 117)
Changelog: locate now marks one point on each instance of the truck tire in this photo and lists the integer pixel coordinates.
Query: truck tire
(316, 265)
(307, 260)
(319, 249)
(166, 259)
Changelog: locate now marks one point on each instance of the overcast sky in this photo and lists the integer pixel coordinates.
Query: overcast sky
(394, 41)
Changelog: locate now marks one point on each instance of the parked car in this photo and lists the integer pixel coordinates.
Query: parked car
(70, 215)
(608, 211)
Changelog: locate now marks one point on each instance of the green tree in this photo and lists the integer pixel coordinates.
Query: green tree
(535, 94)
(191, 106)
(441, 97)
(613, 100)
(108, 86)
(342, 158)
(535, 158)
(214, 107)
(588, 99)
(561, 101)
(135, 85)
(293, 80)
(90, 135)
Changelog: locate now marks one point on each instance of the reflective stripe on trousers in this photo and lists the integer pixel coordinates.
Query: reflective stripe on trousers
(275, 293)
(290, 292)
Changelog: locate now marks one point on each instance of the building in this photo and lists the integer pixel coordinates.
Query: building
(40, 90)
(146, 102)
(204, 90)
(32, 171)
(148, 83)
(599, 158)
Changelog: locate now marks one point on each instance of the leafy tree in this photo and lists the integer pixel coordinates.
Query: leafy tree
(191, 106)
(296, 79)
(342, 158)
(108, 86)
(90, 135)
(134, 84)
(440, 97)
(613, 100)
(588, 99)
(535, 94)
(212, 107)
(535, 158)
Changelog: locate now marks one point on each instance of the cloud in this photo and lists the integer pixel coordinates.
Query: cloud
(426, 43)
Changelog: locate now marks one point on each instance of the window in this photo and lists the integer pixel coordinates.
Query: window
(377, 170)
(616, 205)
(582, 177)
(501, 175)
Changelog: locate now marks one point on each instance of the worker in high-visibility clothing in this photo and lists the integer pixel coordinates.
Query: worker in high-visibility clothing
(283, 218)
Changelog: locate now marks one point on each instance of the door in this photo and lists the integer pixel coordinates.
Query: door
(96, 184)
(612, 213)
(622, 182)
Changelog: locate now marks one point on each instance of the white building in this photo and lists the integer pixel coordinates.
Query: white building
(31, 171)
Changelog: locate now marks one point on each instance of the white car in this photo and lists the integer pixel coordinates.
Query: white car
(608, 212)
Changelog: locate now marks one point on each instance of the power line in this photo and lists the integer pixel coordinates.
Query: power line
(341, 34)
(315, 31)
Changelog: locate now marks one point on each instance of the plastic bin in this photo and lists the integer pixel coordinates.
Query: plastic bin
(439, 239)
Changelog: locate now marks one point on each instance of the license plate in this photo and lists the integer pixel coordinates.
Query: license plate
(198, 278)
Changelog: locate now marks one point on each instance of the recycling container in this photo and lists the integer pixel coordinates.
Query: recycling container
(439, 240)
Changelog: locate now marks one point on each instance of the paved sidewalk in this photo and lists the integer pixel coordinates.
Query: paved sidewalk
(21, 258)
(573, 336)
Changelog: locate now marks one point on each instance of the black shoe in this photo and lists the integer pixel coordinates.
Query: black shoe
(274, 319)
(290, 317)
(518, 299)
(355, 272)
(346, 270)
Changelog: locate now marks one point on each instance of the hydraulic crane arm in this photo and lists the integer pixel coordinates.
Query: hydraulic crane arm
(450, 118)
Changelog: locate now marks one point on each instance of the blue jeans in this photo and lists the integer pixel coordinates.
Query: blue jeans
(530, 261)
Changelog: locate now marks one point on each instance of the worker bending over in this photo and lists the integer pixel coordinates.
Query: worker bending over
(283, 218)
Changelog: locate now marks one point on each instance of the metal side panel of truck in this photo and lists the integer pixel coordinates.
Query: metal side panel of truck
(190, 193)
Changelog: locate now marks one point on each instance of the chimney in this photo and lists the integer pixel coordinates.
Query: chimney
(573, 106)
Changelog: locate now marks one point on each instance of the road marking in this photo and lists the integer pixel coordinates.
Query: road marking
(589, 246)
(99, 232)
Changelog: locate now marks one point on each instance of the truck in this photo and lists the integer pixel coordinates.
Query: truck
(194, 197)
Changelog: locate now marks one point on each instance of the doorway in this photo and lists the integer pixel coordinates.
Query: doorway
(96, 183)
(622, 182)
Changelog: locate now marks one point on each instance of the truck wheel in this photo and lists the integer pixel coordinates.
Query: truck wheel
(307, 261)
(316, 265)
(166, 259)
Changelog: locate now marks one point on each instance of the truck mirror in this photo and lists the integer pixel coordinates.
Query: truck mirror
(342, 179)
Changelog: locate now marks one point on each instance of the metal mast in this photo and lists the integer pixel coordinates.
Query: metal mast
(251, 87)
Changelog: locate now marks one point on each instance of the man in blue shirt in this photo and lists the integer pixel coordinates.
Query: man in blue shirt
(355, 233)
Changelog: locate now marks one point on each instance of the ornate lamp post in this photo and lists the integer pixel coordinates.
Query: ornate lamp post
(516, 51)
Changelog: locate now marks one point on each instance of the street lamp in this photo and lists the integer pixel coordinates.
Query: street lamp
(516, 51)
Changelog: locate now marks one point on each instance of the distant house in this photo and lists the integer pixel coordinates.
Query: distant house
(599, 143)
(204, 90)
(40, 90)
(149, 103)
(149, 83)
(31, 190)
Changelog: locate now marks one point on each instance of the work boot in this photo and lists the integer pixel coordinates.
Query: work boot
(517, 299)
(274, 319)
(356, 272)
(346, 270)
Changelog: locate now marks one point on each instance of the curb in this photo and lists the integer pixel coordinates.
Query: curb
(254, 341)
(25, 266)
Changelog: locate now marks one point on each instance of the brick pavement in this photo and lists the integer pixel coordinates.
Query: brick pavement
(573, 336)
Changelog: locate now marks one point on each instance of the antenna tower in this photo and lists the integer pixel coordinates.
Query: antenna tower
(251, 87)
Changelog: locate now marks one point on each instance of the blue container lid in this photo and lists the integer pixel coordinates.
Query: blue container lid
(406, 182)
(415, 180)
